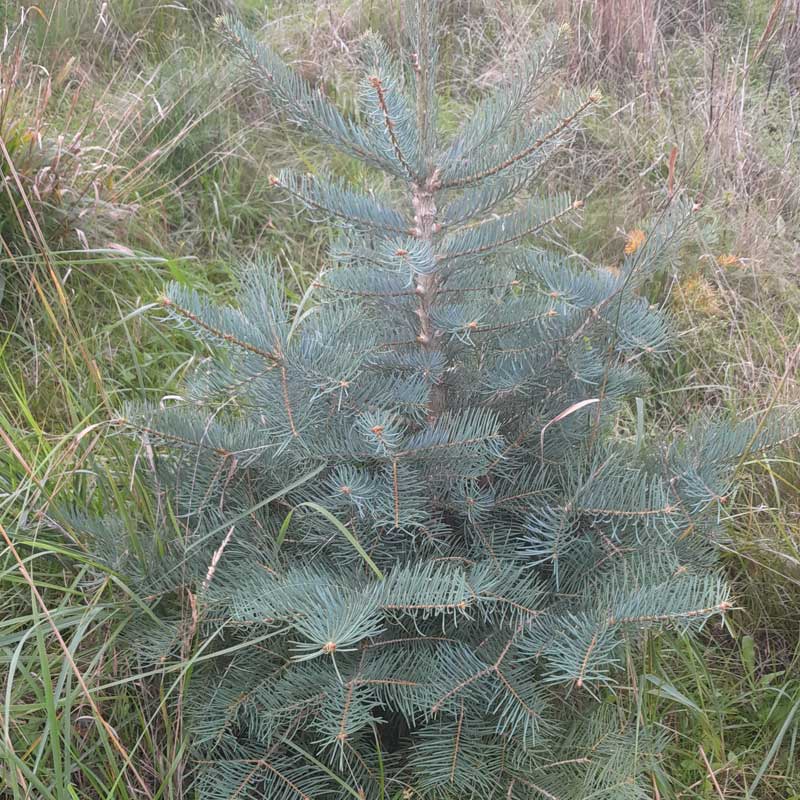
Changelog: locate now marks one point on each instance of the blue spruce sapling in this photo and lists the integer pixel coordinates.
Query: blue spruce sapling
(416, 537)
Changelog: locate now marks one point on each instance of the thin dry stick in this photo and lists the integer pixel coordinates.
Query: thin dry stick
(212, 567)
(20, 458)
(691, 788)
(457, 743)
(656, 793)
(128, 761)
(711, 773)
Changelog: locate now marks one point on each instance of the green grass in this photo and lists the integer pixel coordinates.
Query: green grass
(168, 180)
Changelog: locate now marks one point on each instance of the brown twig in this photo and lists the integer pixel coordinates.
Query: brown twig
(711, 774)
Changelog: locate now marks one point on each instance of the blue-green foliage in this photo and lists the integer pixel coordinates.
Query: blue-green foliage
(442, 411)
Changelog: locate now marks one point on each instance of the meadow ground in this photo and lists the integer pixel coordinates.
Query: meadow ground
(131, 154)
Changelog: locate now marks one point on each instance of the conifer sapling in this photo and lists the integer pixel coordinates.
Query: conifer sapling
(416, 527)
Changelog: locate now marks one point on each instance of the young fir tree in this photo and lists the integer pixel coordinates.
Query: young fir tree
(417, 540)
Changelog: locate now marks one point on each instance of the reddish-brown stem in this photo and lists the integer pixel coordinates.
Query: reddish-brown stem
(426, 285)
(390, 125)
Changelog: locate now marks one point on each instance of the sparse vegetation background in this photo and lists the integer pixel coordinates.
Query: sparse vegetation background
(132, 155)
